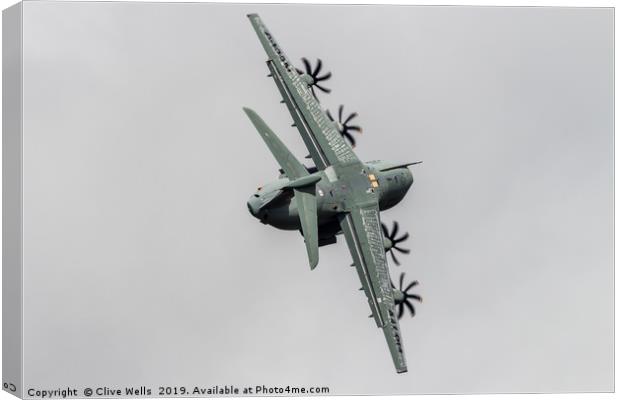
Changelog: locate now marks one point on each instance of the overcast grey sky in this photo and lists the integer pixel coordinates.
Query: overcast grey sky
(143, 266)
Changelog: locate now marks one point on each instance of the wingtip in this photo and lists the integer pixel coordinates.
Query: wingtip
(401, 371)
(251, 15)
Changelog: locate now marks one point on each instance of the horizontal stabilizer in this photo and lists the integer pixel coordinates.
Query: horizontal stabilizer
(303, 181)
(391, 167)
(291, 166)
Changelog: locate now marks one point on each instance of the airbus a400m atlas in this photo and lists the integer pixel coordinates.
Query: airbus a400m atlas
(338, 195)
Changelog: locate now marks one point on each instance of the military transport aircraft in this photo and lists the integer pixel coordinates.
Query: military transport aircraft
(338, 195)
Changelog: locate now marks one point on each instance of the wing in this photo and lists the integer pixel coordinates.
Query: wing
(362, 230)
(325, 144)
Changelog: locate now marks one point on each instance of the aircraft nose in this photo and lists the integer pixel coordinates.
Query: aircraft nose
(254, 206)
(409, 178)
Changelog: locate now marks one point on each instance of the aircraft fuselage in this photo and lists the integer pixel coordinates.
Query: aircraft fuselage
(274, 206)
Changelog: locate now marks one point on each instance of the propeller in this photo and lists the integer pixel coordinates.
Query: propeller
(394, 241)
(343, 124)
(402, 297)
(313, 74)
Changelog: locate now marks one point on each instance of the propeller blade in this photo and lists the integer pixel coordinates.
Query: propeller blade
(394, 257)
(319, 64)
(412, 284)
(402, 238)
(324, 89)
(410, 307)
(404, 297)
(405, 251)
(323, 78)
(345, 130)
(307, 66)
(414, 296)
(350, 117)
(383, 227)
(395, 227)
(314, 74)
(392, 236)
(349, 137)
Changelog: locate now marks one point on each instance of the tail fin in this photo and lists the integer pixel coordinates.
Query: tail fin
(304, 188)
(305, 197)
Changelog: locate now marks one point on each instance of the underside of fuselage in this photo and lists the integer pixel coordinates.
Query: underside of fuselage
(273, 204)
